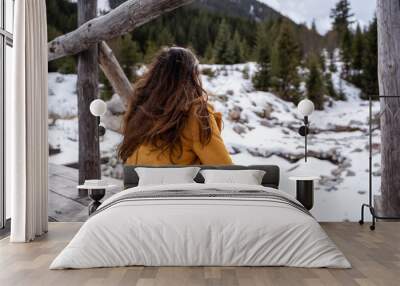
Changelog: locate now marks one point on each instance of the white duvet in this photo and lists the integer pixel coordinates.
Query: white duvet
(200, 231)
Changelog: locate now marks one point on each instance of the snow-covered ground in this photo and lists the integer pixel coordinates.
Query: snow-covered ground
(102, 5)
(260, 128)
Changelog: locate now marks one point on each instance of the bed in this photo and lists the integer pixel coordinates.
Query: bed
(199, 224)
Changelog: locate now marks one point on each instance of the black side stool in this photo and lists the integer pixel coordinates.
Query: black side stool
(96, 193)
(305, 190)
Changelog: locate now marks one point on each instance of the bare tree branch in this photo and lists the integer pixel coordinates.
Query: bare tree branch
(119, 21)
(114, 73)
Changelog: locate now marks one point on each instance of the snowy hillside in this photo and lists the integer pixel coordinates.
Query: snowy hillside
(259, 128)
(102, 5)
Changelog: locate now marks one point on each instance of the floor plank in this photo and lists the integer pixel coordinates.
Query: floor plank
(65, 204)
(375, 257)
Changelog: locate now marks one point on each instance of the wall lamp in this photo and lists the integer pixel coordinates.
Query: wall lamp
(98, 108)
(305, 107)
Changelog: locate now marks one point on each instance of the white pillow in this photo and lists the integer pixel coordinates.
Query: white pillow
(247, 177)
(166, 176)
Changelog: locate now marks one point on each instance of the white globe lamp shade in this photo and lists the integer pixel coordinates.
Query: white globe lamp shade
(305, 107)
(98, 107)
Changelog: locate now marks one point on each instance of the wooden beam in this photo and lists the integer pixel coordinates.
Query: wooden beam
(118, 21)
(114, 73)
(388, 12)
(87, 87)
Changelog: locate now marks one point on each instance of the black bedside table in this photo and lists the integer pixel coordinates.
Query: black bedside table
(96, 193)
(305, 190)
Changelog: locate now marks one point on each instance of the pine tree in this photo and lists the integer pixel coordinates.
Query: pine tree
(223, 50)
(358, 53)
(322, 61)
(358, 50)
(314, 26)
(128, 55)
(315, 84)
(165, 38)
(229, 56)
(61, 15)
(262, 78)
(261, 36)
(237, 48)
(245, 51)
(342, 16)
(370, 63)
(346, 52)
(330, 88)
(209, 54)
(151, 50)
(341, 95)
(61, 19)
(287, 61)
(198, 33)
(106, 90)
(332, 64)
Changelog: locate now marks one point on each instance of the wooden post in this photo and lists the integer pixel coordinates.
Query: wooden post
(87, 87)
(388, 12)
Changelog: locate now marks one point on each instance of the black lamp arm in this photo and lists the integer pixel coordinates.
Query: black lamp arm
(306, 121)
(102, 129)
(303, 131)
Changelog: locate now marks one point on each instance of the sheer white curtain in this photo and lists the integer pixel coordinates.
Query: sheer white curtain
(26, 117)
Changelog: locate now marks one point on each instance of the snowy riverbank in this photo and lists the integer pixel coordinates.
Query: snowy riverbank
(259, 128)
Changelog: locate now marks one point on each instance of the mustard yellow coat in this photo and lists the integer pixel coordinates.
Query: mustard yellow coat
(193, 152)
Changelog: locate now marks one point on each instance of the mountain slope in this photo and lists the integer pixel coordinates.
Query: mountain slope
(251, 9)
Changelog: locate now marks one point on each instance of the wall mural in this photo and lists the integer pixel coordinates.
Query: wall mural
(254, 73)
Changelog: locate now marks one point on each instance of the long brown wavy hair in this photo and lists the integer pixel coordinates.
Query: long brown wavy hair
(162, 100)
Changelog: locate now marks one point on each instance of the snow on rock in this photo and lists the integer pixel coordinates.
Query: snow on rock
(115, 105)
(62, 95)
(64, 134)
(103, 5)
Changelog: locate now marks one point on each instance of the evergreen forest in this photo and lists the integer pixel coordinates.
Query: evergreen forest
(287, 53)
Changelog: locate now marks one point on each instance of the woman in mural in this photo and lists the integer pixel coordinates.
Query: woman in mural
(169, 120)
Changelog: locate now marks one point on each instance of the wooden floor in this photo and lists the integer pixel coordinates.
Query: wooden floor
(64, 202)
(375, 257)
